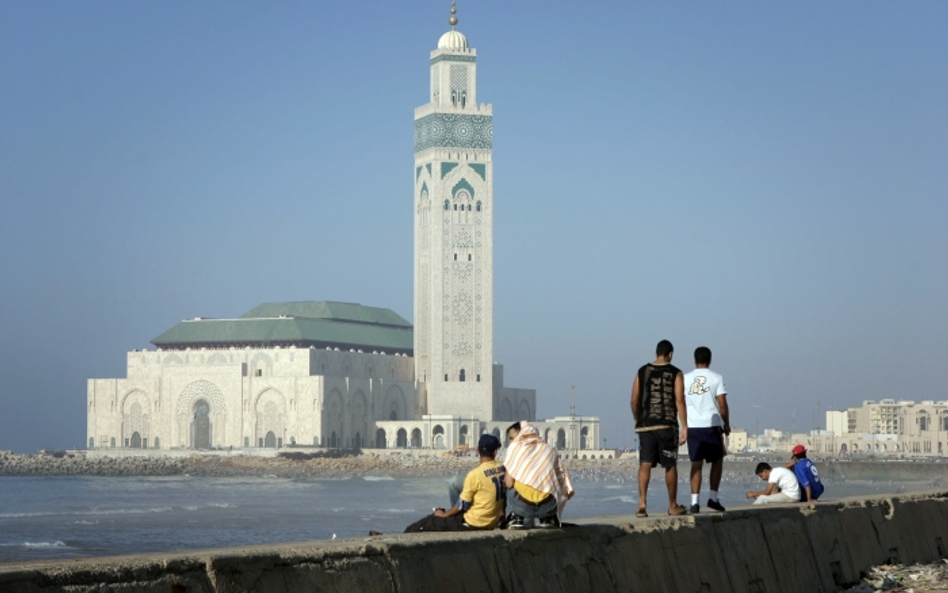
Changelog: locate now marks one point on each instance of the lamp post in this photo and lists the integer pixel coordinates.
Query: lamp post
(572, 421)
(757, 427)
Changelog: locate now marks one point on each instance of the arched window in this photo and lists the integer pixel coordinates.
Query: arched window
(447, 204)
(445, 376)
(478, 205)
(461, 377)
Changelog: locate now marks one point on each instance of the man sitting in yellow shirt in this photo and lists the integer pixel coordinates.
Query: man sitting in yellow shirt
(482, 501)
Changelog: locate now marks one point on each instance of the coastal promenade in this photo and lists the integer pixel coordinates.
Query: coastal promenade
(782, 549)
(293, 463)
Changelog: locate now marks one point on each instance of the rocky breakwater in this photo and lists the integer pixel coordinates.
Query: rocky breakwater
(61, 463)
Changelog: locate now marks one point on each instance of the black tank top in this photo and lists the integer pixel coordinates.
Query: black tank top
(657, 387)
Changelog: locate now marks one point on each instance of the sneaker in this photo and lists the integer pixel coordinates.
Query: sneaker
(694, 509)
(713, 504)
(550, 522)
(514, 521)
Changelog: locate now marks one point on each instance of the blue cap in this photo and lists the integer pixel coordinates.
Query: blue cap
(488, 444)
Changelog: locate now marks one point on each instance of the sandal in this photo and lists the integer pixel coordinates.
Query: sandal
(679, 510)
(641, 514)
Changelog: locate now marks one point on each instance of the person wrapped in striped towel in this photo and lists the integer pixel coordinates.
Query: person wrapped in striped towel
(540, 486)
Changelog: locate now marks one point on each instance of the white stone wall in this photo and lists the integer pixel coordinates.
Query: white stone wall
(302, 396)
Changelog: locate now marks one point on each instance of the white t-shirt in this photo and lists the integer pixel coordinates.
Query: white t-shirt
(702, 388)
(786, 481)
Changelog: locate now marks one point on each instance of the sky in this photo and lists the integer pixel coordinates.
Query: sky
(769, 180)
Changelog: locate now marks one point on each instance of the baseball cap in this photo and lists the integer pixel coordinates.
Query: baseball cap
(488, 444)
(798, 449)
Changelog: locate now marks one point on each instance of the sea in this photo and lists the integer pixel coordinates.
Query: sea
(43, 518)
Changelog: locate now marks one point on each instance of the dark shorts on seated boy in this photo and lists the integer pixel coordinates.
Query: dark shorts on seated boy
(705, 444)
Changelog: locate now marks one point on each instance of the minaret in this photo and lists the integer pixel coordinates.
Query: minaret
(454, 236)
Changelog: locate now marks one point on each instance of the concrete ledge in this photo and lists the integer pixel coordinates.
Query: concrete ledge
(786, 549)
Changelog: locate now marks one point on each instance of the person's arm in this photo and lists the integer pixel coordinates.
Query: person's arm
(509, 480)
(725, 414)
(636, 399)
(682, 407)
(464, 501)
(455, 510)
(767, 492)
(809, 494)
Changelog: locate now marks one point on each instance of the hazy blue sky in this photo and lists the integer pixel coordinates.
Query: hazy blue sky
(767, 179)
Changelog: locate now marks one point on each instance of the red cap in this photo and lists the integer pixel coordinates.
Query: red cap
(798, 449)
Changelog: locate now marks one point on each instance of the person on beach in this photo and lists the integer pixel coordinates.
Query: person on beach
(708, 424)
(658, 401)
(539, 486)
(782, 486)
(811, 488)
(482, 501)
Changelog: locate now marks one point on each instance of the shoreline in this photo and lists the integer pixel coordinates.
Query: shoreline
(397, 464)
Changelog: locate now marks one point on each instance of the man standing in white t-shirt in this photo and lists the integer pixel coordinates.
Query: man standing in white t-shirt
(777, 478)
(708, 424)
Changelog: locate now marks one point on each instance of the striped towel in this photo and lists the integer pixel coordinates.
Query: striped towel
(537, 464)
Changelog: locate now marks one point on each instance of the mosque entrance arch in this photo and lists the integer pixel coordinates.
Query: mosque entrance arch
(201, 426)
(401, 438)
(270, 441)
(136, 440)
(380, 438)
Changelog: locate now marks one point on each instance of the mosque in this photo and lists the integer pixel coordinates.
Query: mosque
(330, 374)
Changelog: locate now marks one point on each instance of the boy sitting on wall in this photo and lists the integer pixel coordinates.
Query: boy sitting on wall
(778, 479)
(811, 488)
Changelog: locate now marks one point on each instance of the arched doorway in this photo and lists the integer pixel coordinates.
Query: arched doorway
(380, 438)
(270, 441)
(401, 438)
(416, 438)
(437, 437)
(496, 433)
(584, 438)
(561, 439)
(464, 435)
(136, 440)
(201, 426)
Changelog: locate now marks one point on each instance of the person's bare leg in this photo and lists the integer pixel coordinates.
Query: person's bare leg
(645, 472)
(671, 482)
(696, 467)
(717, 468)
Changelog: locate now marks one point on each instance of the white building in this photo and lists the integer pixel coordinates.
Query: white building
(343, 375)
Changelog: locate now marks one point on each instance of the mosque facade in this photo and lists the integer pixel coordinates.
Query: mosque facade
(329, 374)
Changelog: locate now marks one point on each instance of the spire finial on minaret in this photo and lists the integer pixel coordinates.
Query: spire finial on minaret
(453, 21)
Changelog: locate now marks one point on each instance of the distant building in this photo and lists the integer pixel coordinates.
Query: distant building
(889, 428)
(343, 375)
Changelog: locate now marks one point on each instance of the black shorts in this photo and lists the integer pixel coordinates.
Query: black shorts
(706, 444)
(659, 447)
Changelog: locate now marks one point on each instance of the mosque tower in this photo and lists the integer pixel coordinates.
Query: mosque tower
(454, 208)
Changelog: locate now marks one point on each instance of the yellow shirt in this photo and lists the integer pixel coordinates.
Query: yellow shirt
(529, 493)
(486, 494)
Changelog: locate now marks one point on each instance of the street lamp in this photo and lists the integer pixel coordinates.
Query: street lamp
(757, 427)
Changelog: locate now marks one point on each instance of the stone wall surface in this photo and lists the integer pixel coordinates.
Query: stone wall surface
(782, 549)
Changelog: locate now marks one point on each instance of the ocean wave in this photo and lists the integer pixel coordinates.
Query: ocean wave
(376, 478)
(55, 544)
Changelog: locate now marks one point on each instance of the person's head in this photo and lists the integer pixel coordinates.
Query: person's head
(512, 431)
(488, 445)
(702, 356)
(799, 452)
(664, 350)
(763, 471)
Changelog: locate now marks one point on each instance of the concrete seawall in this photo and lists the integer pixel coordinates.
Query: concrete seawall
(787, 549)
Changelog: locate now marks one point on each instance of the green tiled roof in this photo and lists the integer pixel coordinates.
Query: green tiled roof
(329, 310)
(319, 324)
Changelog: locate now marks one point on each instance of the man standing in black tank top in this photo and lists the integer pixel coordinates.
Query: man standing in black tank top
(658, 401)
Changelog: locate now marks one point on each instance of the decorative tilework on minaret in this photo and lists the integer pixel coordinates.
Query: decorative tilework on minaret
(454, 236)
